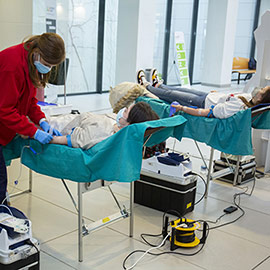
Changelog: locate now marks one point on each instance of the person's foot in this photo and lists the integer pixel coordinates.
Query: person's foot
(155, 81)
(141, 78)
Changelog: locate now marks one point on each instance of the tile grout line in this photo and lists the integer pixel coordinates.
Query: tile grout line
(57, 237)
(59, 260)
(257, 211)
(264, 260)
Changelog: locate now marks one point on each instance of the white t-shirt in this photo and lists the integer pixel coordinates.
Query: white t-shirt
(225, 105)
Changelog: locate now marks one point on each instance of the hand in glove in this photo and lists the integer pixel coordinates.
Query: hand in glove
(47, 128)
(42, 136)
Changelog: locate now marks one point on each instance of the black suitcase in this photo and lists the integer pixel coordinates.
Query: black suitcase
(247, 169)
(158, 192)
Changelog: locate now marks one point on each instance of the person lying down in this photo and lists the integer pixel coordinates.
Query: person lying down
(213, 104)
(87, 129)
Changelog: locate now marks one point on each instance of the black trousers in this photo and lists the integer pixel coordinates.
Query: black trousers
(3, 177)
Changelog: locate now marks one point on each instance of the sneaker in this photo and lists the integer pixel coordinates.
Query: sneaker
(155, 81)
(141, 78)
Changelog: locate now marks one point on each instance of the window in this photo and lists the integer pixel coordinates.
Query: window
(76, 23)
(200, 41)
(181, 22)
(110, 39)
(159, 34)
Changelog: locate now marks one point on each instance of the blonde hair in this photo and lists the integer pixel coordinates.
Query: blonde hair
(51, 48)
(125, 94)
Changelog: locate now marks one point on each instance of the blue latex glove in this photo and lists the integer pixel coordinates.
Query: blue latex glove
(42, 136)
(172, 109)
(47, 128)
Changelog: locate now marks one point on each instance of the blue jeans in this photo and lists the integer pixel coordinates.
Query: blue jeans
(3, 177)
(185, 96)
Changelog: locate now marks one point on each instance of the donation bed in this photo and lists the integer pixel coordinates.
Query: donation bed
(232, 135)
(117, 158)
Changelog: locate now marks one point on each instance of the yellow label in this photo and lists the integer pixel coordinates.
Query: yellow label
(189, 205)
(106, 219)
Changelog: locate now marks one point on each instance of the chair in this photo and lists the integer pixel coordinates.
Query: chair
(240, 66)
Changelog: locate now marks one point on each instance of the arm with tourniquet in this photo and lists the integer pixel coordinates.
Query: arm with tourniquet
(91, 130)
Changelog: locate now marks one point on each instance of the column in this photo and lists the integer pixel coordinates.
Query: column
(219, 44)
(135, 38)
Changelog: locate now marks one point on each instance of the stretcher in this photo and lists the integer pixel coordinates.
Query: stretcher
(117, 158)
(232, 135)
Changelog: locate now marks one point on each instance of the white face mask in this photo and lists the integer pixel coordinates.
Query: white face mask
(40, 67)
(255, 91)
(119, 116)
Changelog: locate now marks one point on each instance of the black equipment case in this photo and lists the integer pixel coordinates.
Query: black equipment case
(247, 169)
(163, 193)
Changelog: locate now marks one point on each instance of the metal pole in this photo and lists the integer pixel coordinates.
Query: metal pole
(30, 180)
(200, 152)
(100, 45)
(167, 40)
(209, 172)
(193, 38)
(255, 25)
(70, 195)
(236, 171)
(131, 218)
(65, 77)
(80, 223)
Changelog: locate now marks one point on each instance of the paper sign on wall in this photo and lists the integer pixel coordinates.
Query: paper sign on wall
(50, 16)
(181, 59)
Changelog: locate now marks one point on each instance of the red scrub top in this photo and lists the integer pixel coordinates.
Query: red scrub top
(17, 96)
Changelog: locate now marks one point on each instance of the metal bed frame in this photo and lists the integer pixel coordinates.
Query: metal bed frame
(84, 187)
(86, 229)
(232, 168)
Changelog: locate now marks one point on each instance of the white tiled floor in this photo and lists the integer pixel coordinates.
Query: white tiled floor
(244, 244)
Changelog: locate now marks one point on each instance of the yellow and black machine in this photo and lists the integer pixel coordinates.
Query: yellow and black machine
(183, 233)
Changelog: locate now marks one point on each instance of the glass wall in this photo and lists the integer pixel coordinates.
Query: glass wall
(182, 11)
(200, 41)
(77, 23)
(110, 39)
(159, 34)
(244, 28)
(181, 22)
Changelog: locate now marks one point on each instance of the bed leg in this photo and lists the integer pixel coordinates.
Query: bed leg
(30, 185)
(80, 224)
(209, 172)
(30, 180)
(131, 215)
(236, 171)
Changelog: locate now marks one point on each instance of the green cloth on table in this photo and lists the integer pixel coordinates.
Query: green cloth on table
(231, 135)
(117, 158)
(261, 121)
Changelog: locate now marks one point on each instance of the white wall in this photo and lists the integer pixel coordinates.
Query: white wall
(135, 38)
(15, 21)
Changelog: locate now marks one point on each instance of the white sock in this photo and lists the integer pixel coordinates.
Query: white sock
(145, 82)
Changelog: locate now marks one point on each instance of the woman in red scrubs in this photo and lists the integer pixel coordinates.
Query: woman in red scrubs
(23, 68)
